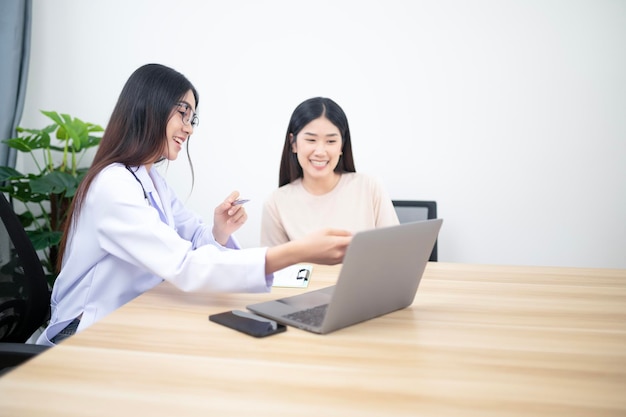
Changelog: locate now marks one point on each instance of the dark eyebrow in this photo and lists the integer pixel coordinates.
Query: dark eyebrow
(313, 134)
(186, 104)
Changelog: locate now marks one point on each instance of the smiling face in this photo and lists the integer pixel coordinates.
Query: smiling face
(318, 147)
(180, 126)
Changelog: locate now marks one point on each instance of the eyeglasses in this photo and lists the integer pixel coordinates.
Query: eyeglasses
(188, 115)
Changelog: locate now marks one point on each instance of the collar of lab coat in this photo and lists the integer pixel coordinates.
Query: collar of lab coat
(151, 182)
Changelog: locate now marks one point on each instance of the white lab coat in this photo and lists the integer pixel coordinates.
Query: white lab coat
(124, 245)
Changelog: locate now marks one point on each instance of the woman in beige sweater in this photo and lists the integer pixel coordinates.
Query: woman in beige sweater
(318, 183)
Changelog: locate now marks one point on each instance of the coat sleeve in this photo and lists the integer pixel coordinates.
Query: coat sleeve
(130, 230)
(190, 226)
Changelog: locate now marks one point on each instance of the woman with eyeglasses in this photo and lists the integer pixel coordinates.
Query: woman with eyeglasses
(127, 231)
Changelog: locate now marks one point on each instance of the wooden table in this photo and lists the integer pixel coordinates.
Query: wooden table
(478, 341)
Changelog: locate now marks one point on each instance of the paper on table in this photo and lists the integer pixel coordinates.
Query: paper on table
(296, 276)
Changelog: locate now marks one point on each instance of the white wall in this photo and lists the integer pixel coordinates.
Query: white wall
(511, 114)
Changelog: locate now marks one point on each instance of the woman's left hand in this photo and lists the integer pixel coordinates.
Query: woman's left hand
(228, 218)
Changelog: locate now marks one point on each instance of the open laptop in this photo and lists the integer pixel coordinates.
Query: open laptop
(381, 271)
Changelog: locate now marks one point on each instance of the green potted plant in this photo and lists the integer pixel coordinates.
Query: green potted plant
(46, 194)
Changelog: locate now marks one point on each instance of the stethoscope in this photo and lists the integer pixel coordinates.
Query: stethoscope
(145, 195)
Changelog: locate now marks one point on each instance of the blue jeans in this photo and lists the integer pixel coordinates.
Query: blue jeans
(68, 331)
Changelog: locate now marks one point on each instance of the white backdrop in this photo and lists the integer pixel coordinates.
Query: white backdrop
(510, 114)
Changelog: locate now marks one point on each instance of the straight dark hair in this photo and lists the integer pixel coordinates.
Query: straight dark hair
(307, 111)
(136, 132)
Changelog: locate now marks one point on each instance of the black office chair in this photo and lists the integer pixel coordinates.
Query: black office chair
(414, 210)
(24, 292)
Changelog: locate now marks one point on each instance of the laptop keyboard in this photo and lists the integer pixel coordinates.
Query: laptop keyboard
(311, 316)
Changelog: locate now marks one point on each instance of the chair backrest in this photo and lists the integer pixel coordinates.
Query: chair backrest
(24, 291)
(414, 210)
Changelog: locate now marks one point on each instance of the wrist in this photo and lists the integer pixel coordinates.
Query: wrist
(220, 238)
(282, 256)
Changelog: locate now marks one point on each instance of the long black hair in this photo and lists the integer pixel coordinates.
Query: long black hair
(307, 111)
(136, 132)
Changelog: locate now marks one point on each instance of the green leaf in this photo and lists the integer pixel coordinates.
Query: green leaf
(57, 148)
(54, 183)
(94, 128)
(47, 129)
(26, 219)
(21, 144)
(81, 130)
(44, 239)
(54, 116)
(44, 142)
(62, 133)
(8, 173)
(91, 142)
(38, 140)
(22, 192)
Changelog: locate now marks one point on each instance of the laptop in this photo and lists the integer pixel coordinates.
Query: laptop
(381, 271)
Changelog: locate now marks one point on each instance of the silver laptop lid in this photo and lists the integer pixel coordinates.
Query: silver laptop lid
(381, 272)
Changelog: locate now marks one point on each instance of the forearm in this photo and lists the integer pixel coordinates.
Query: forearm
(219, 237)
(282, 256)
(324, 247)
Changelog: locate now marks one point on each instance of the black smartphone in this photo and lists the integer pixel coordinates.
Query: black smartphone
(248, 323)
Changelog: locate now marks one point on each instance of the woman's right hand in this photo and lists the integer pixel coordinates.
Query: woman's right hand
(326, 247)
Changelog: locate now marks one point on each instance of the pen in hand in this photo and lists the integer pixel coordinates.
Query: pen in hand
(240, 201)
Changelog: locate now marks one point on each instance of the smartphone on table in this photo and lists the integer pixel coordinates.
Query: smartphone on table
(248, 323)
